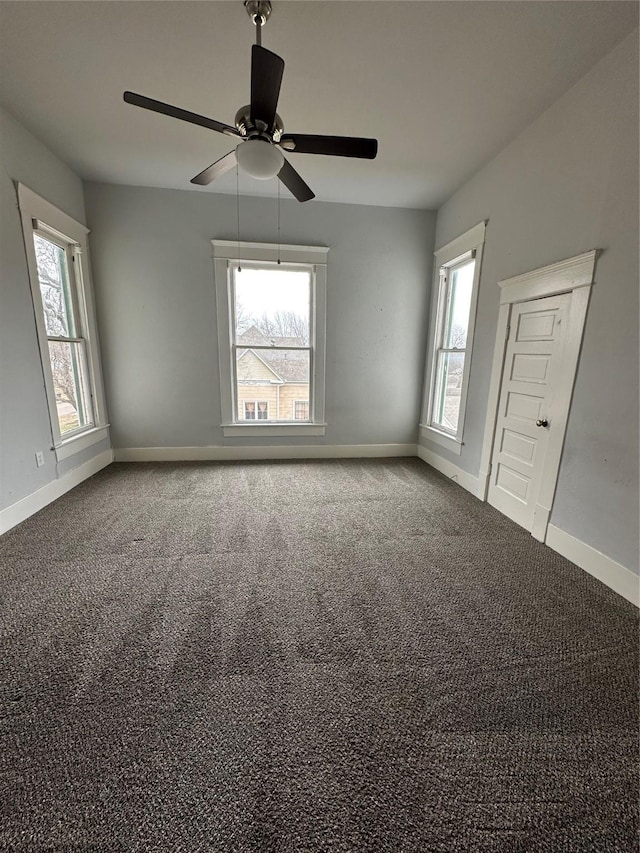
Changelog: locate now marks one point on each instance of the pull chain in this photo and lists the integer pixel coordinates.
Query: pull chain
(238, 214)
(278, 221)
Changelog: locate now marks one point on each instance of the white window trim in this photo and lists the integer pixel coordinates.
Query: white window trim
(37, 213)
(470, 244)
(228, 252)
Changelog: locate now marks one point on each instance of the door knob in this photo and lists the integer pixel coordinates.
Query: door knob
(542, 422)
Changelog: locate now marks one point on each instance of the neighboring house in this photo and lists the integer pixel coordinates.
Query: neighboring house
(272, 384)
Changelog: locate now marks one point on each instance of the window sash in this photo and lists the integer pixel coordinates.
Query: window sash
(441, 391)
(42, 219)
(71, 302)
(449, 271)
(81, 387)
(437, 390)
(267, 266)
(228, 255)
(235, 347)
(69, 247)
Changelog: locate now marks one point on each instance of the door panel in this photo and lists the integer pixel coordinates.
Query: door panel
(529, 368)
(532, 362)
(513, 483)
(537, 326)
(525, 407)
(518, 446)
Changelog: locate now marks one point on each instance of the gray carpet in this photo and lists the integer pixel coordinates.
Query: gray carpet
(349, 656)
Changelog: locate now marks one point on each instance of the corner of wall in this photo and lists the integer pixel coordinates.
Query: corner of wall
(28, 506)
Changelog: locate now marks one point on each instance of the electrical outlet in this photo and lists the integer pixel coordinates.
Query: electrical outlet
(39, 459)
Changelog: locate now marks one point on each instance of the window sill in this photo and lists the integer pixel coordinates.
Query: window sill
(453, 445)
(245, 430)
(81, 442)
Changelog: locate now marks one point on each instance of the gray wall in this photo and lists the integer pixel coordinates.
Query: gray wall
(153, 274)
(569, 183)
(24, 418)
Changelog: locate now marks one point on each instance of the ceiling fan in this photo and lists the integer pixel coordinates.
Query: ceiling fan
(258, 125)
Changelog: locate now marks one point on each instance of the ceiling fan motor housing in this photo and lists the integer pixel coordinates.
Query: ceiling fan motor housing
(250, 130)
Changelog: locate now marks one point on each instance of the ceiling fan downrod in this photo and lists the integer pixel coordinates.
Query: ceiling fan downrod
(259, 12)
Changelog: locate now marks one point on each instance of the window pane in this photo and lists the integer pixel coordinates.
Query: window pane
(269, 382)
(53, 276)
(446, 402)
(254, 410)
(272, 307)
(459, 305)
(301, 410)
(68, 367)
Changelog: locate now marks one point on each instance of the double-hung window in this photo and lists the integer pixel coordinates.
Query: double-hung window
(453, 313)
(271, 336)
(56, 256)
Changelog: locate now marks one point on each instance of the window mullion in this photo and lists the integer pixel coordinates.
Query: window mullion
(269, 348)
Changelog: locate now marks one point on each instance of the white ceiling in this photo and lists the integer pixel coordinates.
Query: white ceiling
(442, 85)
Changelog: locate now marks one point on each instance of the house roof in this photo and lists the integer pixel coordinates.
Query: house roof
(254, 337)
(290, 365)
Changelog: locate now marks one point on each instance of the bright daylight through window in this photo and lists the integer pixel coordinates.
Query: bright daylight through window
(60, 279)
(67, 347)
(453, 311)
(271, 305)
(271, 348)
(451, 351)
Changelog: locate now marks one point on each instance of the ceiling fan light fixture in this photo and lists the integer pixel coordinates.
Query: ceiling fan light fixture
(259, 158)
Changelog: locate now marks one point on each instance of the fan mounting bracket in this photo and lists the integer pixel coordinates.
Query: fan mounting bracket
(258, 10)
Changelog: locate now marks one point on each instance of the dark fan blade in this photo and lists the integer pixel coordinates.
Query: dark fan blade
(294, 183)
(266, 76)
(176, 112)
(216, 169)
(337, 146)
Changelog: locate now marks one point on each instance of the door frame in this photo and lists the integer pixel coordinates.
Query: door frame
(574, 276)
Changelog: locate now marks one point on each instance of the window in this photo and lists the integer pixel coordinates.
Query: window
(256, 410)
(301, 410)
(65, 324)
(458, 269)
(271, 321)
(66, 346)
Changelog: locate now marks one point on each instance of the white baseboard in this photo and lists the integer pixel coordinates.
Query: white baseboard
(26, 507)
(217, 453)
(462, 478)
(618, 578)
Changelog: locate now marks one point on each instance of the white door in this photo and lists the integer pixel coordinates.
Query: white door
(533, 394)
